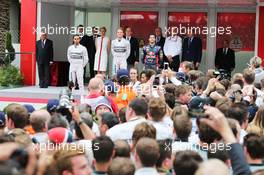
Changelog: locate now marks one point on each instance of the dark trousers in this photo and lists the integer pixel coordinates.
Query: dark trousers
(91, 64)
(175, 64)
(44, 75)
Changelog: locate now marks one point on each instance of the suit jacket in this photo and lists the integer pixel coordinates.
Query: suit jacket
(161, 42)
(91, 49)
(134, 51)
(225, 60)
(192, 52)
(44, 55)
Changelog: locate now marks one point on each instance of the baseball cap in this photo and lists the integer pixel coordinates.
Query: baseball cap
(197, 103)
(122, 73)
(52, 105)
(60, 135)
(29, 108)
(2, 119)
(109, 86)
(104, 102)
(110, 119)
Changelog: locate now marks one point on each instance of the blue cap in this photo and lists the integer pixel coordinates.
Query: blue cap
(2, 119)
(52, 105)
(109, 86)
(29, 108)
(122, 73)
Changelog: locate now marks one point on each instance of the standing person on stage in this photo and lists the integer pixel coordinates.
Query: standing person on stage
(172, 50)
(152, 54)
(133, 59)
(78, 58)
(102, 44)
(92, 49)
(225, 58)
(160, 40)
(84, 41)
(120, 48)
(192, 49)
(44, 57)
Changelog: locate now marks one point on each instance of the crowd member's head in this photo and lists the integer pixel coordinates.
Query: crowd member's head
(235, 127)
(248, 76)
(133, 74)
(52, 105)
(60, 135)
(158, 32)
(200, 85)
(212, 166)
(157, 109)
(129, 32)
(149, 74)
(255, 62)
(152, 39)
(71, 162)
(29, 108)
(17, 116)
(120, 33)
(96, 85)
(121, 166)
(122, 115)
(21, 137)
(147, 152)
(137, 107)
(103, 151)
(253, 148)
(122, 149)
(182, 123)
(223, 104)
(239, 112)
(186, 66)
(123, 78)
(164, 163)
(108, 120)
(2, 120)
(76, 39)
(207, 134)
(57, 120)
(102, 107)
(102, 31)
(143, 78)
(186, 162)
(259, 120)
(39, 120)
(183, 94)
(220, 154)
(143, 130)
(195, 74)
(84, 108)
(87, 119)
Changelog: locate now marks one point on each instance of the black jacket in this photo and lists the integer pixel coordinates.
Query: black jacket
(44, 55)
(225, 60)
(161, 42)
(134, 51)
(88, 42)
(192, 53)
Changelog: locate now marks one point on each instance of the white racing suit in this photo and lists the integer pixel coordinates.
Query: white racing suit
(78, 58)
(120, 51)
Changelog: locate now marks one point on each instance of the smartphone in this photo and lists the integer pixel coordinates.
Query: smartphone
(166, 66)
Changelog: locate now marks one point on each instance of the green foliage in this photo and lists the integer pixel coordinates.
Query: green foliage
(10, 76)
(8, 45)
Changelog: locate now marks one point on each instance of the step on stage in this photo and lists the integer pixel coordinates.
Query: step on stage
(34, 95)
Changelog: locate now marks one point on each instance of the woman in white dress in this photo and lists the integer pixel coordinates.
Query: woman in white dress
(102, 45)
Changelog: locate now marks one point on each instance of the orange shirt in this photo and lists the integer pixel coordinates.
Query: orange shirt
(124, 96)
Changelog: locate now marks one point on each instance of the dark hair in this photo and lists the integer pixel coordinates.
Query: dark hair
(170, 99)
(207, 134)
(110, 119)
(147, 150)
(122, 148)
(18, 114)
(140, 106)
(165, 151)
(186, 162)
(239, 112)
(255, 145)
(149, 73)
(103, 148)
(249, 76)
(122, 115)
(221, 154)
(57, 120)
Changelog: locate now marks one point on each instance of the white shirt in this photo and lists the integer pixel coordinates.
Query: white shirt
(124, 131)
(259, 74)
(173, 46)
(163, 131)
(146, 171)
(77, 54)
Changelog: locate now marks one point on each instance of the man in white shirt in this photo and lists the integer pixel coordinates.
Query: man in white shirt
(147, 155)
(135, 114)
(172, 50)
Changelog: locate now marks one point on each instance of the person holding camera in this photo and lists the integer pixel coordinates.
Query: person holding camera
(78, 58)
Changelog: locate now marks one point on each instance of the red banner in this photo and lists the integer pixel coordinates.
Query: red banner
(242, 26)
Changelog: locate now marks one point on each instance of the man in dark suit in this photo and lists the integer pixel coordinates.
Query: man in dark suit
(92, 49)
(44, 57)
(192, 50)
(160, 41)
(225, 58)
(133, 59)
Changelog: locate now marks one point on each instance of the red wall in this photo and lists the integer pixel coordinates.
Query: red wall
(261, 34)
(28, 40)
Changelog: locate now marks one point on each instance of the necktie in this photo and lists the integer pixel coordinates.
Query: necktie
(42, 43)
